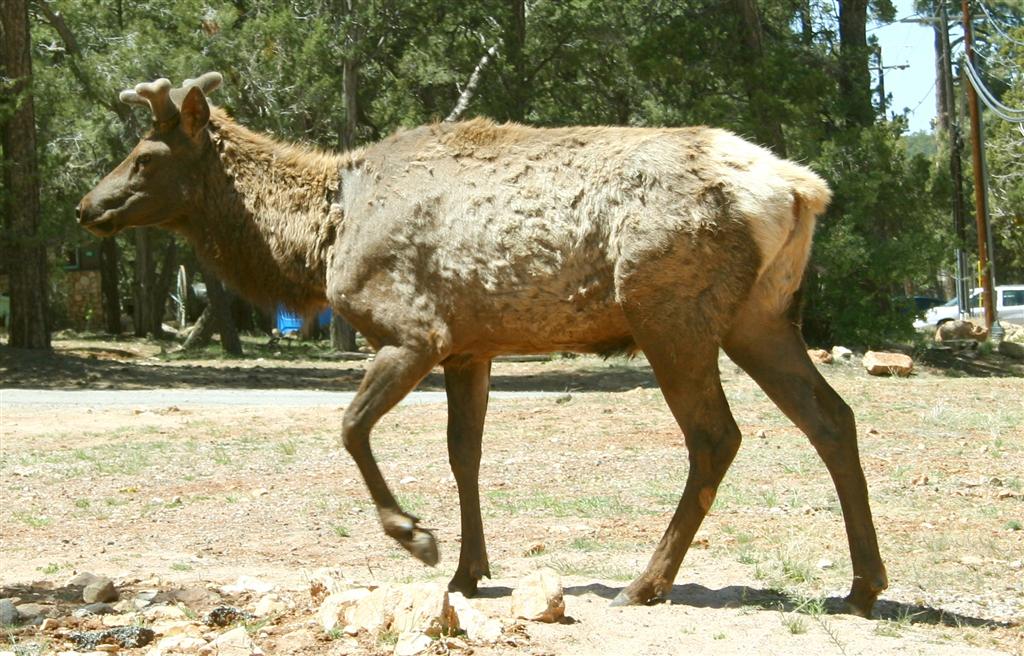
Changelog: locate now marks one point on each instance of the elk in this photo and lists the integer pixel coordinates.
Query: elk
(453, 243)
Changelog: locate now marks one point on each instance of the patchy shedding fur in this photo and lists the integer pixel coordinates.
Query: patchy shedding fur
(452, 243)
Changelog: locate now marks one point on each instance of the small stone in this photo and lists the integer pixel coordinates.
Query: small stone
(820, 356)
(106, 649)
(841, 353)
(120, 619)
(407, 480)
(129, 637)
(411, 643)
(269, 604)
(34, 613)
(82, 579)
(887, 364)
(176, 627)
(100, 590)
(971, 560)
(8, 613)
(49, 624)
(538, 597)
(1016, 565)
(332, 610)
(424, 608)
(324, 582)
(179, 643)
(164, 612)
(247, 584)
(98, 608)
(824, 563)
(478, 626)
(225, 615)
(235, 642)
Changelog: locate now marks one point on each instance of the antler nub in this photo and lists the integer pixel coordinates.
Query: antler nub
(207, 83)
(165, 101)
(158, 94)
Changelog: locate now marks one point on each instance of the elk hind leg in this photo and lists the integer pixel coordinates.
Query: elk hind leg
(773, 352)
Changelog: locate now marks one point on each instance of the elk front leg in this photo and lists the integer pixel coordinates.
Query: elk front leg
(393, 373)
(467, 385)
(693, 390)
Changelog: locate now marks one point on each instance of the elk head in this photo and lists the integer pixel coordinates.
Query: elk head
(157, 183)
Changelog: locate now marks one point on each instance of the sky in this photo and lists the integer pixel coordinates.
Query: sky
(913, 87)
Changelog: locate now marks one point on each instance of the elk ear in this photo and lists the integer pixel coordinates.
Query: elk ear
(195, 112)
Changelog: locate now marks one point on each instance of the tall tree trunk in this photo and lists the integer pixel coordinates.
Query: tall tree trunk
(767, 128)
(854, 70)
(143, 281)
(342, 334)
(109, 285)
(24, 246)
(220, 312)
(515, 46)
(162, 289)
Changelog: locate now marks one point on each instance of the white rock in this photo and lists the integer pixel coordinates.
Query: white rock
(269, 604)
(841, 353)
(538, 597)
(326, 581)
(411, 643)
(164, 612)
(332, 609)
(424, 608)
(235, 642)
(478, 626)
(179, 643)
(119, 620)
(371, 612)
(247, 584)
(176, 627)
(878, 363)
(824, 563)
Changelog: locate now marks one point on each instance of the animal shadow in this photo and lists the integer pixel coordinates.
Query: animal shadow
(739, 596)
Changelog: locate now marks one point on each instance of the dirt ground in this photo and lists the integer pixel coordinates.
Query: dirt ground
(165, 499)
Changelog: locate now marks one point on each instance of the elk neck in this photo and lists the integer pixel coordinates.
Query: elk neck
(268, 215)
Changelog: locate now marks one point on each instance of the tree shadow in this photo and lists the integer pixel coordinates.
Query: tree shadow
(23, 369)
(741, 596)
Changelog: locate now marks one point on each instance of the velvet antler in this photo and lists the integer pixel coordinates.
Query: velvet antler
(164, 101)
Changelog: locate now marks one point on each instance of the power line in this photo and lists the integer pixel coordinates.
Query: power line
(995, 24)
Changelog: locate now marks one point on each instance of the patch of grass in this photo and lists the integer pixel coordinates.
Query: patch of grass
(545, 504)
(288, 447)
(794, 623)
(181, 567)
(50, 568)
(388, 638)
(82, 503)
(589, 569)
(35, 521)
(340, 531)
(1013, 525)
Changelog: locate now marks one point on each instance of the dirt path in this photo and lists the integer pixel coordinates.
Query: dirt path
(185, 496)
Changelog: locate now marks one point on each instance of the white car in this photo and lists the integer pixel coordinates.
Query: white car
(1009, 307)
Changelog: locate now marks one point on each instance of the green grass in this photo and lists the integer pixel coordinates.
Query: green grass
(512, 503)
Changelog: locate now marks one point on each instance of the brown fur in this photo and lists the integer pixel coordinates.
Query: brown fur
(450, 244)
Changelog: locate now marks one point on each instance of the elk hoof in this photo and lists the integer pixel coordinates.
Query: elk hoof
(623, 599)
(463, 583)
(421, 543)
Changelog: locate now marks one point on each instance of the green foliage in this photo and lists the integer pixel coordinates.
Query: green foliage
(880, 233)
(633, 62)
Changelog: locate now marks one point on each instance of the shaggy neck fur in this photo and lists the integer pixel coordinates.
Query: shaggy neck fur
(267, 215)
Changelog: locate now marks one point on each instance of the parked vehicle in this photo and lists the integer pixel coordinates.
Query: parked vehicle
(1009, 307)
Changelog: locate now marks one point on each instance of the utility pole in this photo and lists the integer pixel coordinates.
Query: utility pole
(881, 77)
(955, 165)
(980, 195)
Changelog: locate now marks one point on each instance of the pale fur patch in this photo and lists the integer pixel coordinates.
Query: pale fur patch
(779, 201)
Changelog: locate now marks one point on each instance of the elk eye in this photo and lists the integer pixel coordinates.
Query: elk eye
(142, 160)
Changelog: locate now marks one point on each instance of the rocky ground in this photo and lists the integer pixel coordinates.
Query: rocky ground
(245, 530)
